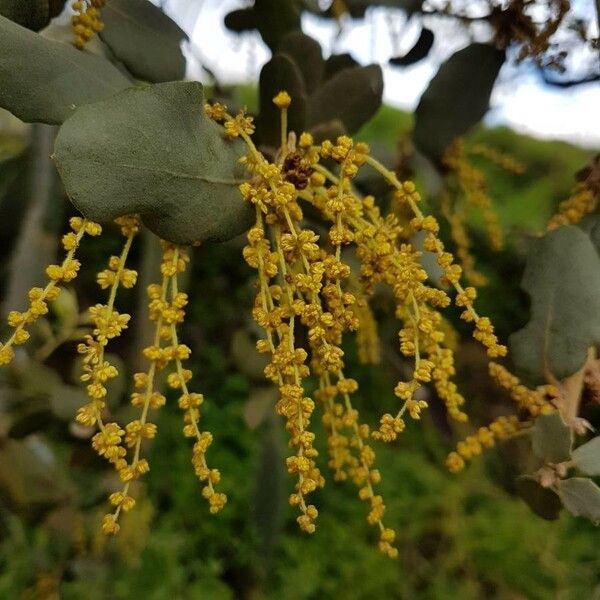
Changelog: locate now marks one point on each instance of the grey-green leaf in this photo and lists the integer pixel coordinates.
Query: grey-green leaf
(336, 62)
(352, 96)
(587, 457)
(542, 501)
(280, 73)
(45, 81)
(275, 18)
(456, 98)
(306, 53)
(12, 160)
(155, 153)
(272, 18)
(591, 225)
(581, 497)
(328, 131)
(551, 438)
(242, 19)
(31, 421)
(562, 278)
(65, 401)
(33, 14)
(30, 475)
(418, 52)
(144, 39)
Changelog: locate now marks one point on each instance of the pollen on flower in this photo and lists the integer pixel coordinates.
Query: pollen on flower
(282, 100)
(86, 21)
(582, 201)
(39, 297)
(472, 446)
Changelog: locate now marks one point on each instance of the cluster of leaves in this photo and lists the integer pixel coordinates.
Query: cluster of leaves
(546, 492)
(543, 31)
(456, 99)
(34, 15)
(329, 98)
(51, 82)
(562, 278)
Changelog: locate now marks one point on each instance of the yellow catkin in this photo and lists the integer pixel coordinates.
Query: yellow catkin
(462, 242)
(309, 293)
(107, 324)
(533, 402)
(473, 186)
(383, 258)
(190, 403)
(504, 161)
(472, 446)
(582, 201)
(39, 297)
(147, 397)
(307, 287)
(367, 335)
(339, 447)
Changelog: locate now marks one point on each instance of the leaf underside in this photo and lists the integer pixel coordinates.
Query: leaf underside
(562, 278)
(144, 39)
(457, 98)
(551, 438)
(155, 152)
(542, 501)
(581, 497)
(45, 81)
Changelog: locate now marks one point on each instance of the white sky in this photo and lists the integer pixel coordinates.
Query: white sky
(520, 100)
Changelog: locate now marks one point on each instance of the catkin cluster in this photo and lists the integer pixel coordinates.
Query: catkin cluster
(465, 191)
(308, 300)
(166, 310)
(122, 445)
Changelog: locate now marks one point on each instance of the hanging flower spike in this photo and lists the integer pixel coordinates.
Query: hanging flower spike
(582, 201)
(462, 242)
(147, 397)
(504, 161)
(39, 297)
(502, 428)
(190, 402)
(310, 278)
(384, 260)
(108, 324)
(534, 402)
(166, 310)
(367, 334)
(472, 183)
